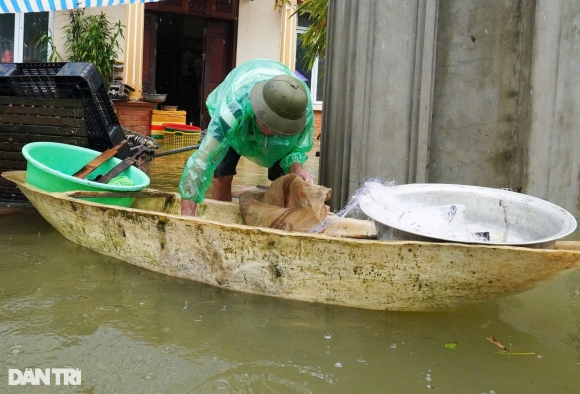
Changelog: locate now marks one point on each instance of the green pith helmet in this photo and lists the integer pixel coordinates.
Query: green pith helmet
(280, 103)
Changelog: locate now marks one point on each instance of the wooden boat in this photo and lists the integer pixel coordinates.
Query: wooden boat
(363, 273)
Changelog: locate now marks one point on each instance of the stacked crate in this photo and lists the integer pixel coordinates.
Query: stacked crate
(54, 102)
(135, 115)
(158, 117)
(180, 135)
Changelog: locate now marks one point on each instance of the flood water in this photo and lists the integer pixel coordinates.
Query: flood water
(133, 331)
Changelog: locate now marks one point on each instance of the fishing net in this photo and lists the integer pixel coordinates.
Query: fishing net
(352, 207)
(423, 218)
(121, 180)
(428, 217)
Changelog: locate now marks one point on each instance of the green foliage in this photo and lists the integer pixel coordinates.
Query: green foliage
(315, 36)
(90, 38)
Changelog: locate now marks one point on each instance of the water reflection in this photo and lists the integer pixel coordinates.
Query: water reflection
(128, 330)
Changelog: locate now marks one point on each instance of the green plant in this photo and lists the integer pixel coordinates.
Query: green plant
(315, 36)
(90, 38)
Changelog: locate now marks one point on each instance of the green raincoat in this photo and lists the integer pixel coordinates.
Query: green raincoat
(233, 124)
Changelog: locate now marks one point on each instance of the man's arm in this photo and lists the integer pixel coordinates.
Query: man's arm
(198, 172)
(302, 146)
(188, 207)
(296, 168)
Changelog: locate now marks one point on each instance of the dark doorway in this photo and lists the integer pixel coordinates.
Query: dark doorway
(179, 62)
(218, 58)
(149, 53)
(192, 55)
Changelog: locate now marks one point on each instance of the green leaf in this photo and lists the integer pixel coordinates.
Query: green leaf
(314, 39)
(451, 345)
(92, 39)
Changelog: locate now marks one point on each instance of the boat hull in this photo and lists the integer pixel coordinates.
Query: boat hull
(369, 274)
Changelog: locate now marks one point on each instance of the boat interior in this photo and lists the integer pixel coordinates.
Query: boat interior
(218, 211)
(229, 213)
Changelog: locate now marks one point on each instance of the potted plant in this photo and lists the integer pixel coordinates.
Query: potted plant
(90, 38)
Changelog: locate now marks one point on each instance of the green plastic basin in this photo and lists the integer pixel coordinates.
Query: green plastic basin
(50, 166)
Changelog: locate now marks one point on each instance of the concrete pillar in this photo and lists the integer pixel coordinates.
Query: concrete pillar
(553, 153)
(133, 53)
(458, 91)
(423, 84)
(289, 21)
(378, 93)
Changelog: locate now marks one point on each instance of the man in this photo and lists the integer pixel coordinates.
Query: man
(260, 111)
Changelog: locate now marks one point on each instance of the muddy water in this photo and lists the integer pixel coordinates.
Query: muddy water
(133, 331)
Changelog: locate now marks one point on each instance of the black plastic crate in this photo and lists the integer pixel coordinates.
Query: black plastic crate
(57, 102)
(78, 81)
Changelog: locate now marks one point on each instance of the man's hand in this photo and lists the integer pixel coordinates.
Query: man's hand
(296, 168)
(188, 207)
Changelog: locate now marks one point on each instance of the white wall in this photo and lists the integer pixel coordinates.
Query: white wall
(114, 14)
(259, 29)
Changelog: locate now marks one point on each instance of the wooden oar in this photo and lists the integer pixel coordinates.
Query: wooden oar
(107, 194)
(97, 161)
(122, 166)
(176, 150)
(170, 198)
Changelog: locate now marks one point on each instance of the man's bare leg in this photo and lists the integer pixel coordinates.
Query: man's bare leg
(222, 188)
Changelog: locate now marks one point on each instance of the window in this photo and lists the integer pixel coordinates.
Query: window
(315, 77)
(19, 34)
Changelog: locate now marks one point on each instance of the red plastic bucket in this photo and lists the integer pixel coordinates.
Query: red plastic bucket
(184, 128)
